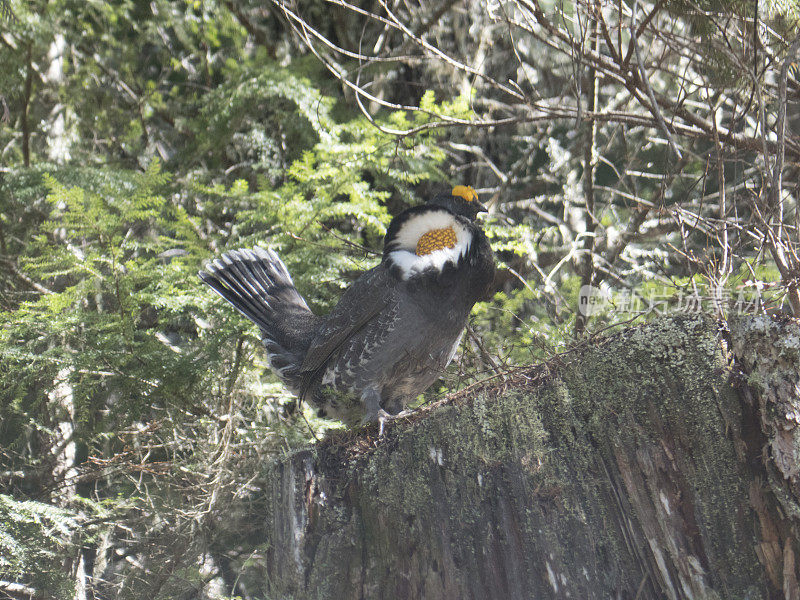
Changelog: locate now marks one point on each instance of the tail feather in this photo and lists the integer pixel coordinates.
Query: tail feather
(230, 284)
(276, 278)
(258, 285)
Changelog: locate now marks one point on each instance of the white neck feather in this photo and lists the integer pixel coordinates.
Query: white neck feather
(405, 257)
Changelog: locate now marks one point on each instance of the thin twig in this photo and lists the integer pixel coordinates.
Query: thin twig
(646, 82)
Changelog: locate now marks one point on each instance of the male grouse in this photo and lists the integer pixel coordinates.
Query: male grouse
(395, 328)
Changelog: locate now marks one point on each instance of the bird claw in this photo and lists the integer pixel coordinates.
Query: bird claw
(382, 417)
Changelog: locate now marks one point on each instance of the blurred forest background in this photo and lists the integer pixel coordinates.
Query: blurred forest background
(647, 149)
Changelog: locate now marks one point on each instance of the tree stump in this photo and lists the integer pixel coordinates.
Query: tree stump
(660, 462)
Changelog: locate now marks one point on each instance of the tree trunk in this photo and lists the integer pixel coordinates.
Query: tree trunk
(658, 463)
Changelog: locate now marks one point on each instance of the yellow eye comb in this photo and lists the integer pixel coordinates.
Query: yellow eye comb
(466, 192)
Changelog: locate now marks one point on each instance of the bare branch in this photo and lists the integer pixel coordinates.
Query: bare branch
(646, 82)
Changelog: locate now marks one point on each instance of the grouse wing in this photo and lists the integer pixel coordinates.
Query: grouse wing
(363, 301)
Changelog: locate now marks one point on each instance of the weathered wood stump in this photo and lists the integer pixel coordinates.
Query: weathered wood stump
(661, 462)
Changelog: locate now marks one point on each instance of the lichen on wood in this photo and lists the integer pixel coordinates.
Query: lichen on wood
(631, 468)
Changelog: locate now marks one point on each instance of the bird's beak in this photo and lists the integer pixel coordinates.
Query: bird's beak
(480, 208)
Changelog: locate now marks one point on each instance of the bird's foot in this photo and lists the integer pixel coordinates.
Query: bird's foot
(403, 413)
(379, 415)
(382, 417)
(373, 410)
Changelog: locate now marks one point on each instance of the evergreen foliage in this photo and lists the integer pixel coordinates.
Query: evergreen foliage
(51, 527)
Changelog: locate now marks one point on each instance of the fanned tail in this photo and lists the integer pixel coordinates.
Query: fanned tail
(258, 285)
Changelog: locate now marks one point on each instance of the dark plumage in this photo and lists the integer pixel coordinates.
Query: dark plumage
(394, 330)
